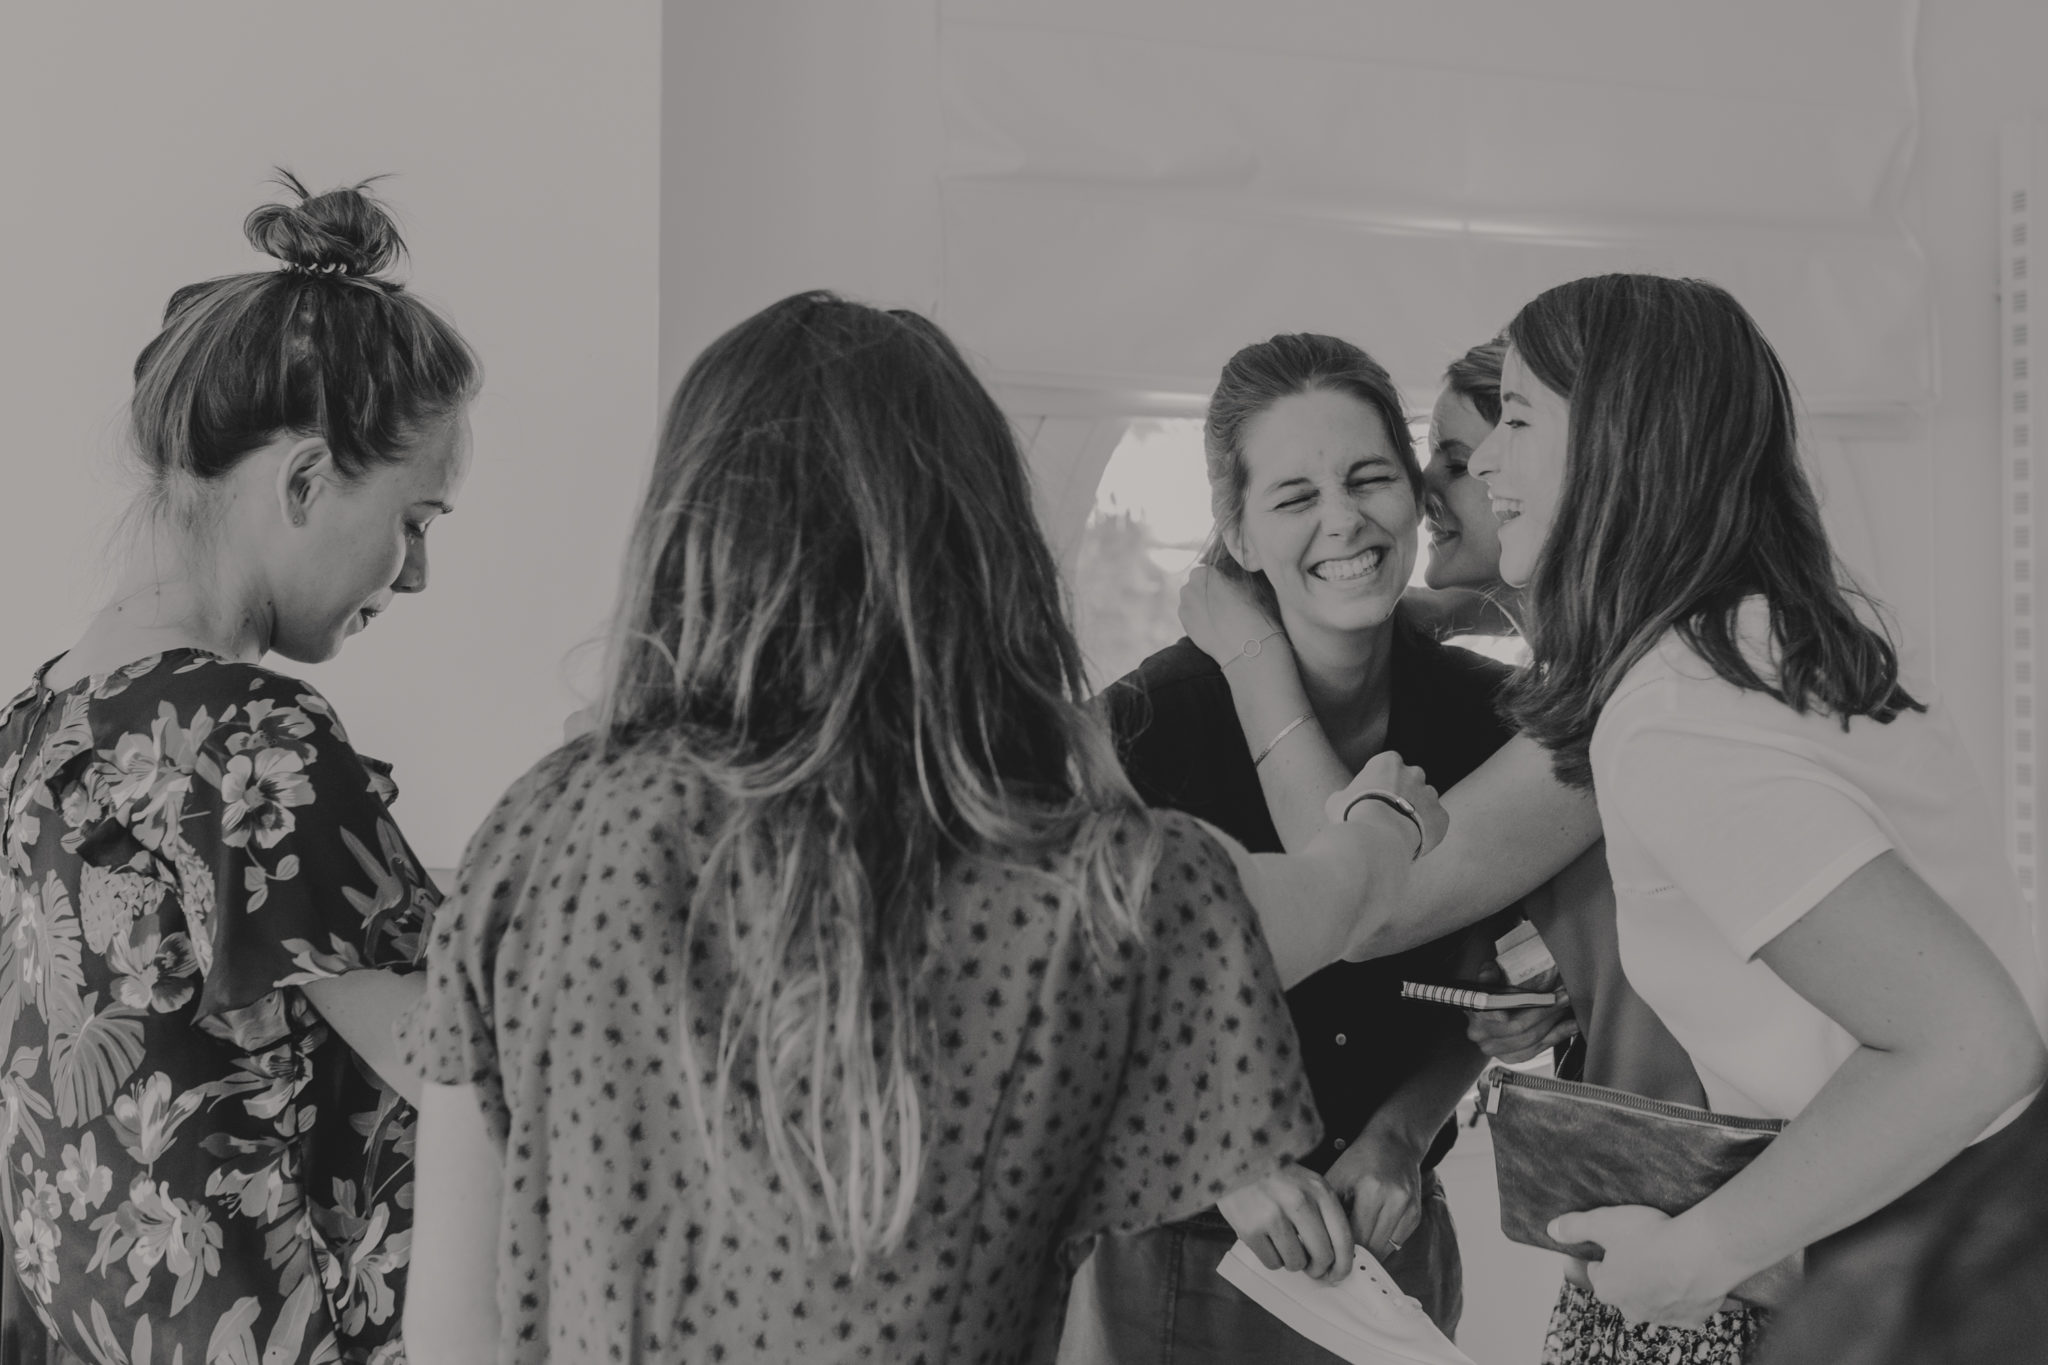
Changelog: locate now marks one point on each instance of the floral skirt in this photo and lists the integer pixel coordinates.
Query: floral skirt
(1585, 1331)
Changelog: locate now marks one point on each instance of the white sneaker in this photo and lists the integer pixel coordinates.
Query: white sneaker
(1365, 1318)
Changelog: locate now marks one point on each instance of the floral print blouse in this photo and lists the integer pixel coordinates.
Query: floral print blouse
(194, 1167)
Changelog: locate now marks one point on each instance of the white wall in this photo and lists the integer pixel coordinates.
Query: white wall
(1980, 65)
(799, 145)
(524, 141)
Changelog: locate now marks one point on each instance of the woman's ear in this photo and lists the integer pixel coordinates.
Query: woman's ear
(304, 475)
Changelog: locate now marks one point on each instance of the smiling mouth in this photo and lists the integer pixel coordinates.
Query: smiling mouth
(1506, 510)
(1361, 565)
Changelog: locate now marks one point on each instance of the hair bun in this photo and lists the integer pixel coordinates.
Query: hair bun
(341, 232)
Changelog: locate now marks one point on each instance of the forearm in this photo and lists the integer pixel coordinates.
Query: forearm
(1882, 1124)
(1513, 827)
(364, 1007)
(1299, 772)
(1413, 1115)
(1308, 902)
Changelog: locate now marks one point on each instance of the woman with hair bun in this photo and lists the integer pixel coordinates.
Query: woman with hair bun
(207, 918)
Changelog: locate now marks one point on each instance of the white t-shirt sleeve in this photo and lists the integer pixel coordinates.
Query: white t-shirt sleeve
(1745, 826)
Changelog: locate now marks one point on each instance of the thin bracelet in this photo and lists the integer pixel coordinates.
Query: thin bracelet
(1392, 802)
(1285, 730)
(1251, 649)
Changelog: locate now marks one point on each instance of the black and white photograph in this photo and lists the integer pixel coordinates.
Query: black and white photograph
(1022, 682)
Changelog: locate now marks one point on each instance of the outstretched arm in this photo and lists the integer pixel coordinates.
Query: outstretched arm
(1513, 825)
(1307, 902)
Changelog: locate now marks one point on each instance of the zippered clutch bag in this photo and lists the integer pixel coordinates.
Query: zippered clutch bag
(1565, 1146)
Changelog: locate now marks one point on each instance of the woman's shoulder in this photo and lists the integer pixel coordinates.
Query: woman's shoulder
(196, 684)
(1180, 665)
(1171, 689)
(639, 789)
(1444, 666)
(1674, 685)
(1196, 878)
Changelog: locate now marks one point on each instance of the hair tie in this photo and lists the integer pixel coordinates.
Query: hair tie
(331, 268)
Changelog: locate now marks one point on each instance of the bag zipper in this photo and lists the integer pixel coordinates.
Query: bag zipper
(1500, 1077)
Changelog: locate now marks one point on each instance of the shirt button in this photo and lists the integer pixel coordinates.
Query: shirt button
(1340, 1040)
(1340, 1144)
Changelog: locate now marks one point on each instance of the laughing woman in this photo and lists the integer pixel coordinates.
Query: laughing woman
(1465, 595)
(1318, 501)
(207, 916)
(1810, 891)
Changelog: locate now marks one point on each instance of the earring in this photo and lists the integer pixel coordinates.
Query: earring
(298, 515)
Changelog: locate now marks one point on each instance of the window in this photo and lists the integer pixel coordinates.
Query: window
(1150, 519)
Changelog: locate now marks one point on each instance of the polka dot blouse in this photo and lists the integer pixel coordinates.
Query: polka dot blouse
(1061, 1098)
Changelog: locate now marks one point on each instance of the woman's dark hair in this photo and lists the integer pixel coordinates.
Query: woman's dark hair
(838, 611)
(1682, 497)
(324, 346)
(1475, 377)
(1254, 380)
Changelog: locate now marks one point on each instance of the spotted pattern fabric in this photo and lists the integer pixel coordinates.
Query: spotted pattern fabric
(1585, 1331)
(1061, 1097)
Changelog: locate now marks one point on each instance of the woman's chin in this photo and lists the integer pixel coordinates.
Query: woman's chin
(310, 648)
(1350, 615)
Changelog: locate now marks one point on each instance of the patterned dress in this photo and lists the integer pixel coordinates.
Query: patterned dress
(195, 1168)
(1061, 1098)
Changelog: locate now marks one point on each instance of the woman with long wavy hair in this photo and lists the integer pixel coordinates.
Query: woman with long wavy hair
(1810, 891)
(828, 998)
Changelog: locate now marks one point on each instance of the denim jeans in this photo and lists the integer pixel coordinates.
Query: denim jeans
(1154, 1298)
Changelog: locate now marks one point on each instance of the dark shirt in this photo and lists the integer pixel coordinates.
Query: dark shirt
(1178, 733)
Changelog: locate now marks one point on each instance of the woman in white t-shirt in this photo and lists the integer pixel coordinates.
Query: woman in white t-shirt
(1811, 891)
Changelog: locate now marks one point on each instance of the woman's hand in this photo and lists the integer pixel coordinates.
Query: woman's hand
(1516, 1036)
(1653, 1270)
(1294, 1219)
(1381, 1181)
(1220, 615)
(1386, 772)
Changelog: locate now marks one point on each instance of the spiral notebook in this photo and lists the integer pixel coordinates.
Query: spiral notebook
(1476, 997)
(1364, 1318)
